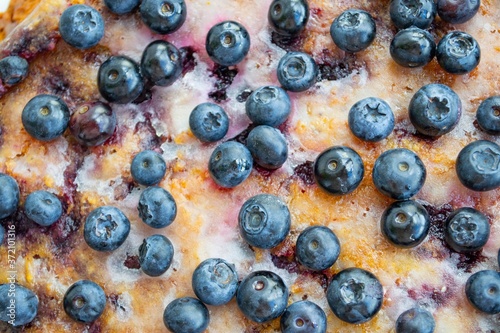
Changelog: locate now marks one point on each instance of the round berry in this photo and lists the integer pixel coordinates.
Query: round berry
(303, 317)
(371, 119)
(121, 6)
(297, 71)
(268, 105)
(407, 13)
(353, 30)
(288, 17)
(483, 291)
(209, 122)
(415, 320)
(339, 170)
(106, 228)
(399, 173)
(488, 115)
(264, 221)
(93, 124)
(9, 195)
(119, 80)
(466, 230)
(84, 301)
(81, 26)
(155, 255)
(230, 164)
(227, 43)
(457, 11)
(413, 47)
(26, 304)
(13, 69)
(267, 146)
(478, 165)
(157, 207)
(317, 248)
(163, 16)
(45, 117)
(215, 281)
(161, 63)
(43, 208)
(186, 314)
(458, 52)
(148, 168)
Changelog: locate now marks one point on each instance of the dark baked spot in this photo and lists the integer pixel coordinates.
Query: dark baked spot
(146, 93)
(153, 141)
(132, 262)
(305, 172)
(243, 96)
(440, 297)
(27, 43)
(333, 67)
(188, 60)
(224, 78)
(467, 261)
(287, 43)
(242, 137)
(56, 83)
(95, 327)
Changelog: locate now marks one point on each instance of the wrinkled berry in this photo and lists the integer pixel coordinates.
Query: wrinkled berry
(458, 52)
(9, 195)
(13, 69)
(268, 105)
(106, 228)
(157, 207)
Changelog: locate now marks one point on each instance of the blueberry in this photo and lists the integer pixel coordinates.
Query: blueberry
(288, 17)
(161, 63)
(84, 301)
(264, 221)
(157, 207)
(405, 223)
(25, 302)
(317, 248)
(488, 115)
(43, 207)
(267, 146)
(9, 195)
(81, 26)
(227, 43)
(338, 170)
(13, 69)
(155, 255)
(483, 291)
(297, 71)
(457, 11)
(435, 109)
(148, 168)
(415, 320)
(45, 117)
(353, 30)
(413, 47)
(399, 173)
(209, 122)
(355, 295)
(303, 317)
(498, 258)
(215, 281)
(478, 165)
(186, 315)
(119, 80)
(268, 105)
(407, 13)
(466, 230)
(2, 234)
(93, 123)
(163, 16)
(262, 296)
(121, 6)
(458, 52)
(230, 164)
(106, 228)
(371, 119)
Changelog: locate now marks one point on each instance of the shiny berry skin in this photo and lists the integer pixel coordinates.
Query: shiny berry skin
(119, 80)
(317, 248)
(157, 207)
(288, 17)
(457, 11)
(262, 296)
(478, 165)
(297, 71)
(268, 105)
(93, 124)
(163, 16)
(483, 291)
(148, 168)
(215, 281)
(371, 119)
(13, 69)
(303, 317)
(121, 6)
(399, 173)
(81, 26)
(84, 301)
(106, 228)
(230, 164)
(186, 314)
(339, 170)
(407, 13)
(45, 117)
(227, 43)
(355, 295)
(161, 63)
(458, 52)
(209, 122)
(9, 195)
(264, 221)
(488, 115)
(435, 109)
(415, 320)
(413, 47)
(26, 304)
(353, 30)
(466, 230)
(267, 146)
(155, 255)
(405, 224)
(43, 207)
